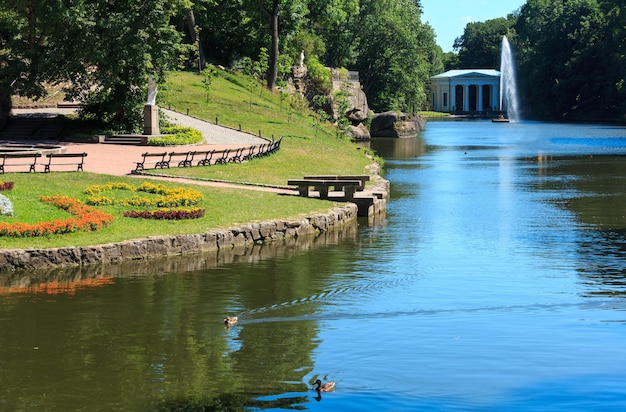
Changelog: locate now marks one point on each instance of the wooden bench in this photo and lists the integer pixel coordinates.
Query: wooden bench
(361, 178)
(19, 159)
(159, 161)
(187, 161)
(348, 187)
(77, 159)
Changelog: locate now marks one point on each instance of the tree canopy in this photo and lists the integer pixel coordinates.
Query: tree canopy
(106, 50)
(571, 53)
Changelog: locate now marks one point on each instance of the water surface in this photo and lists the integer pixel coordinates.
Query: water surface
(496, 281)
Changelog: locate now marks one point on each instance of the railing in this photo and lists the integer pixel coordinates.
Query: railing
(353, 76)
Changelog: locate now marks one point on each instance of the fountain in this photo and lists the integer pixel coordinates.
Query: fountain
(508, 87)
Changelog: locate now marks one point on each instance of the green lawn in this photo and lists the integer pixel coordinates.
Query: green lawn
(307, 148)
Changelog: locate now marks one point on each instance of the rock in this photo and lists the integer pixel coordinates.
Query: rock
(6, 206)
(356, 116)
(358, 103)
(359, 132)
(394, 124)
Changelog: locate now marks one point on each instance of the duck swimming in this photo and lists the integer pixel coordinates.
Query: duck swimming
(324, 387)
(230, 320)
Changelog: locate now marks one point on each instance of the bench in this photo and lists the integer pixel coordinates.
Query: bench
(159, 161)
(21, 159)
(224, 158)
(348, 187)
(204, 157)
(77, 159)
(361, 178)
(237, 156)
(187, 161)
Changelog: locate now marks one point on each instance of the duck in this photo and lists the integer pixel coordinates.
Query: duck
(324, 387)
(230, 320)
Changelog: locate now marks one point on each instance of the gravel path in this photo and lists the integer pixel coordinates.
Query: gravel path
(213, 134)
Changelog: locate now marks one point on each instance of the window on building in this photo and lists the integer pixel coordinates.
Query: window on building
(445, 100)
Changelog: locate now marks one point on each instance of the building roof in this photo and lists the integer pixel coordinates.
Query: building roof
(467, 73)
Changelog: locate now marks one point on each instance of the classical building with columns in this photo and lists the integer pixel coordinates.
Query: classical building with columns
(469, 90)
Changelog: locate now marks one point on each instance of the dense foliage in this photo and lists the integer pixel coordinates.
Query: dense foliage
(571, 56)
(105, 51)
(571, 53)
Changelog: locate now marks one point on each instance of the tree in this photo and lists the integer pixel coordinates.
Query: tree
(480, 45)
(393, 54)
(561, 43)
(104, 51)
(334, 21)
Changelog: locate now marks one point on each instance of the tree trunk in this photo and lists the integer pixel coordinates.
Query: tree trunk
(195, 37)
(272, 72)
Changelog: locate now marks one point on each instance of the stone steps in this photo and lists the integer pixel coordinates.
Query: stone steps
(134, 139)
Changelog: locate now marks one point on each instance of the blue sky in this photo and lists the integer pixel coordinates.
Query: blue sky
(449, 17)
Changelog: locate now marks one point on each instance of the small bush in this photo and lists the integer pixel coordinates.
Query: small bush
(177, 135)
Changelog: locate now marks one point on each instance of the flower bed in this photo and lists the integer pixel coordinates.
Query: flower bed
(5, 186)
(85, 218)
(172, 203)
(166, 214)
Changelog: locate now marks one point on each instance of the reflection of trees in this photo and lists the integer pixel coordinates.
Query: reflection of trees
(154, 335)
(598, 204)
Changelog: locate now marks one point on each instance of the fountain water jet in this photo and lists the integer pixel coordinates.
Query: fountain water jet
(508, 87)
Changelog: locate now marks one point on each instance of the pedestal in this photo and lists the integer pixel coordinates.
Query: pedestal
(151, 119)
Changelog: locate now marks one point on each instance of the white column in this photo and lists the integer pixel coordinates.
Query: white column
(480, 98)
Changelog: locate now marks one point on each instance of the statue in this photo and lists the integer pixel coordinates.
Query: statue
(302, 59)
(152, 92)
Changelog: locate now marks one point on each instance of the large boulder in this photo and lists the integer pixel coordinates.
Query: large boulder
(359, 132)
(394, 124)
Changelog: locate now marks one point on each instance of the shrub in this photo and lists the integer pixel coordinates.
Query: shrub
(177, 135)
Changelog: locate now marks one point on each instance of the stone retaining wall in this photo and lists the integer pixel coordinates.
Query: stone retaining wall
(159, 246)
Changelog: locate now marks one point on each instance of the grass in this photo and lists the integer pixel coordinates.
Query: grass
(307, 148)
(434, 115)
(224, 208)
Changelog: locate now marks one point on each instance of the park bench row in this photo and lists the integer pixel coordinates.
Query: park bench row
(322, 184)
(30, 159)
(160, 160)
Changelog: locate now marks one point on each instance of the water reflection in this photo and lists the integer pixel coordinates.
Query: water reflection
(495, 282)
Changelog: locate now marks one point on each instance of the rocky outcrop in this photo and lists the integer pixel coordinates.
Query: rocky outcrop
(159, 246)
(394, 124)
(357, 113)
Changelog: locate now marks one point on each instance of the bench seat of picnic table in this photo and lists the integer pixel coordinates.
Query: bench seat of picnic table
(348, 187)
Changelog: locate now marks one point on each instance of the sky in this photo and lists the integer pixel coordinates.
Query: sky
(449, 17)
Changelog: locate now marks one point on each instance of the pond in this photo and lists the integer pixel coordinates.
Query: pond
(496, 281)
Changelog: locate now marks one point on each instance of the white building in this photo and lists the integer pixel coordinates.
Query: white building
(470, 90)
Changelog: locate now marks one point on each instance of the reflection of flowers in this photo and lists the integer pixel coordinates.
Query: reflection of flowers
(173, 203)
(69, 287)
(85, 218)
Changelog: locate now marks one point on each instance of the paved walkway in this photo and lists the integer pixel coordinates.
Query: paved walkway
(121, 160)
